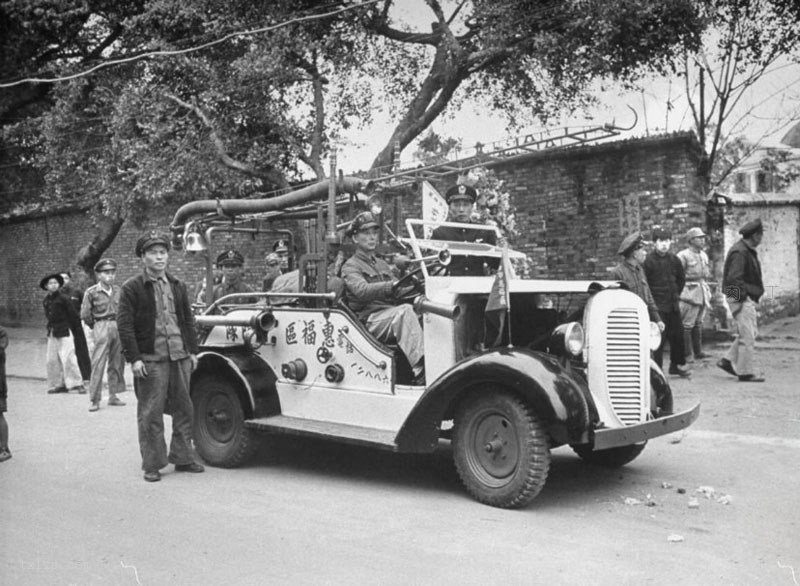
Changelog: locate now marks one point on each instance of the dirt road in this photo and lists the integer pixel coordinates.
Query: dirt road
(74, 508)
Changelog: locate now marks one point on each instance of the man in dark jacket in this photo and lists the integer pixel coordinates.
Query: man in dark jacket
(743, 286)
(156, 328)
(666, 277)
(461, 204)
(63, 373)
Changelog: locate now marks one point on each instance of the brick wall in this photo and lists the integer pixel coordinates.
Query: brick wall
(573, 209)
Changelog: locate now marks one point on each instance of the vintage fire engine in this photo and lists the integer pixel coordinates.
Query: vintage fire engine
(573, 365)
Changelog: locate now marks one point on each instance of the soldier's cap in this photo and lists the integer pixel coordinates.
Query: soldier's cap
(105, 264)
(272, 259)
(361, 222)
(752, 227)
(694, 233)
(151, 239)
(56, 276)
(280, 246)
(631, 242)
(661, 234)
(461, 192)
(231, 258)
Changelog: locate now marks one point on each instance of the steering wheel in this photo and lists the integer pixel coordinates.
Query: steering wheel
(414, 283)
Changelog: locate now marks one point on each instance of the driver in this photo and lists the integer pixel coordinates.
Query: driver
(231, 262)
(461, 204)
(370, 283)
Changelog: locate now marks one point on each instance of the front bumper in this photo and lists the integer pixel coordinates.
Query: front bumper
(636, 434)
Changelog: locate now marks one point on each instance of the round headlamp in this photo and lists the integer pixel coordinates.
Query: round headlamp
(655, 336)
(567, 338)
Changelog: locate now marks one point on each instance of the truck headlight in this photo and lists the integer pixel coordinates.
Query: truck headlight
(655, 336)
(567, 338)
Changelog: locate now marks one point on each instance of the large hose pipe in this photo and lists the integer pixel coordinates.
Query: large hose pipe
(261, 322)
(233, 207)
(424, 305)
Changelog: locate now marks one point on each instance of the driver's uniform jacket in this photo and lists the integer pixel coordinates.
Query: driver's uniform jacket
(467, 265)
(369, 282)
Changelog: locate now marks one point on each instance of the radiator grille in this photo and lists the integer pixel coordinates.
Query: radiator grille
(623, 364)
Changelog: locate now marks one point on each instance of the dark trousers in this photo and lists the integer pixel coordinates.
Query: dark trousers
(672, 335)
(166, 383)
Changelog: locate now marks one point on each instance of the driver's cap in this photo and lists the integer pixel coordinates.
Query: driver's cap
(361, 222)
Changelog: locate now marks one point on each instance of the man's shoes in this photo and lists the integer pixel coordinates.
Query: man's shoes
(701, 355)
(193, 467)
(80, 388)
(680, 370)
(751, 378)
(726, 365)
(5, 454)
(154, 476)
(94, 407)
(57, 390)
(115, 402)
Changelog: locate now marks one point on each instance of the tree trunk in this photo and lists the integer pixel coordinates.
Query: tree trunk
(87, 257)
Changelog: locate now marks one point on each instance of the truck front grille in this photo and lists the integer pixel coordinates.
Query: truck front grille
(623, 364)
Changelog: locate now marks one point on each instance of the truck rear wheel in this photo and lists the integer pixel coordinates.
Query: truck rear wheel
(500, 449)
(220, 436)
(610, 458)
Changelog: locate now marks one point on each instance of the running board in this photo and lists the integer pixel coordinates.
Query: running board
(341, 432)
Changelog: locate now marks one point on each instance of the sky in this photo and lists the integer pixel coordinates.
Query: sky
(763, 115)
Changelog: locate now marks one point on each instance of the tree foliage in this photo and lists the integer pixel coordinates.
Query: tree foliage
(240, 97)
(745, 39)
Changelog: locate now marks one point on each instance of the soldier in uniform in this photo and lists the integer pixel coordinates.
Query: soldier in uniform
(231, 262)
(744, 286)
(370, 282)
(461, 204)
(273, 262)
(696, 296)
(281, 248)
(99, 313)
(630, 272)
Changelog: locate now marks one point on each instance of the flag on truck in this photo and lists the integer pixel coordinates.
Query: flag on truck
(498, 307)
(434, 208)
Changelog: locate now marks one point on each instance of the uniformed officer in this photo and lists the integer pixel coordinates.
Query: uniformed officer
(231, 262)
(696, 295)
(273, 263)
(370, 285)
(99, 313)
(630, 272)
(461, 204)
(281, 248)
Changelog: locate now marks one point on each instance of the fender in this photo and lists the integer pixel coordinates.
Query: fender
(557, 397)
(660, 391)
(259, 397)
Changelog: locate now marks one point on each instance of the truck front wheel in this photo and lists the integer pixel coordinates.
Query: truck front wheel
(220, 436)
(500, 448)
(610, 458)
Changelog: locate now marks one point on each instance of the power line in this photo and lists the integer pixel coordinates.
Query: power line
(171, 52)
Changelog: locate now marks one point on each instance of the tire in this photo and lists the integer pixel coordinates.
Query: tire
(500, 449)
(220, 436)
(611, 458)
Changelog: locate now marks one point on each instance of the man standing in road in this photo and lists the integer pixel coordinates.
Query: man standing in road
(156, 327)
(696, 296)
(666, 278)
(99, 313)
(370, 283)
(231, 263)
(461, 204)
(743, 286)
(630, 272)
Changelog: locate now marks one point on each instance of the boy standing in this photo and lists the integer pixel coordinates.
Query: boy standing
(99, 312)
(63, 373)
